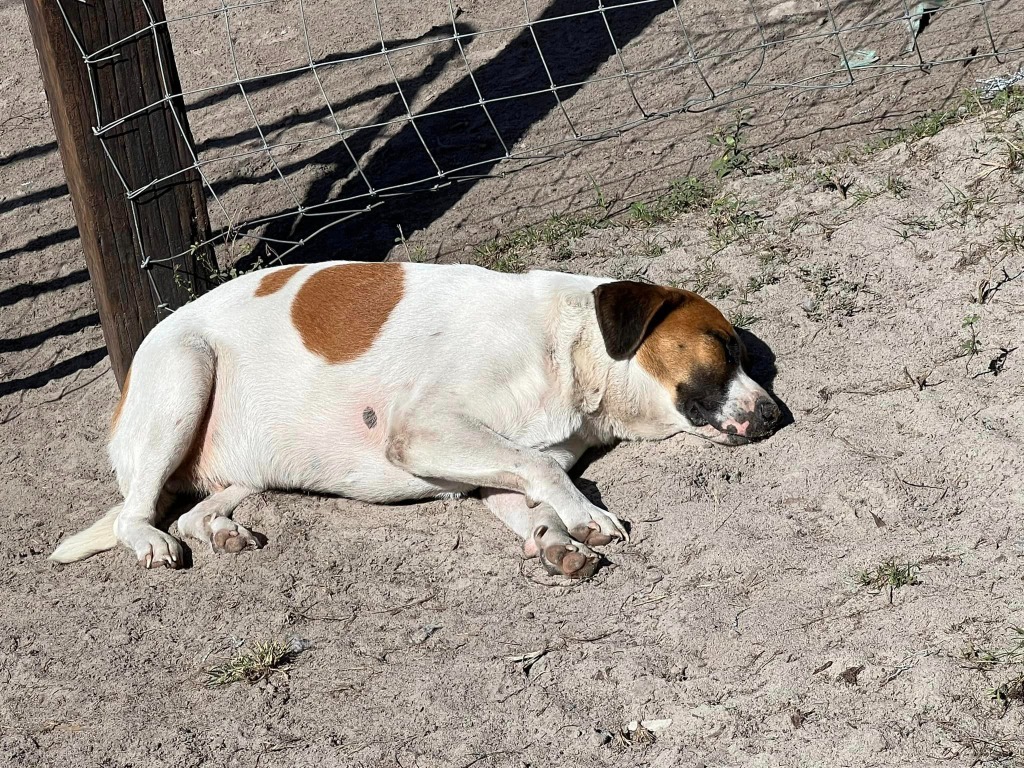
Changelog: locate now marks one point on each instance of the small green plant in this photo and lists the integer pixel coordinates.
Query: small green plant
(775, 163)
(829, 180)
(767, 276)
(889, 576)
(1010, 236)
(741, 319)
(912, 225)
(970, 346)
(642, 213)
(896, 186)
(1013, 160)
(707, 276)
(682, 196)
(566, 226)
(929, 125)
(770, 261)
(991, 659)
(416, 254)
(962, 205)
(1009, 101)
(862, 194)
(731, 219)
(902, 234)
(209, 271)
(732, 157)
(250, 664)
(498, 255)
(798, 220)
(505, 253)
(651, 248)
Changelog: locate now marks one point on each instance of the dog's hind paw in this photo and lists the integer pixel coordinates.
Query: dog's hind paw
(228, 536)
(157, 549)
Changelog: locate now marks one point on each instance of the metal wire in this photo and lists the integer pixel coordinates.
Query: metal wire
(770, 46)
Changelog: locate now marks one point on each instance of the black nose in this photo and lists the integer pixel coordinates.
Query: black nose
(768, 413)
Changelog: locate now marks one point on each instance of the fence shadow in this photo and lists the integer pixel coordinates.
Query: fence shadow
(58, 371)
(13, 295)
(575, 48)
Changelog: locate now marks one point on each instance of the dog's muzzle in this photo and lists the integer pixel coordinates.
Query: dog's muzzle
(763, 419)
(749, 413)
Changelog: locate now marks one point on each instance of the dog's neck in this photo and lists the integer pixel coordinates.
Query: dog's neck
(617, 399)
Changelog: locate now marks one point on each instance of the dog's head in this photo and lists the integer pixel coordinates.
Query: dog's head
(693, 354)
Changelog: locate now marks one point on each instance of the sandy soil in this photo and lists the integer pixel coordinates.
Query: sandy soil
(876, 282)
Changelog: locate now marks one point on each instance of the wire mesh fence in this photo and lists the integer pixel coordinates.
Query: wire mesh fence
(308, 113)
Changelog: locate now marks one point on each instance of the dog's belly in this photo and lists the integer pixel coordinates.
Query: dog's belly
(332, 445)
(360, 472)
(373, 481)
(344, 468)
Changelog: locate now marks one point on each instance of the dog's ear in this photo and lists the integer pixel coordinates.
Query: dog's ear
(628, 311)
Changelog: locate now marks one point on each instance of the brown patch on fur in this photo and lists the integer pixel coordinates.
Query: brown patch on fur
(273, 282)
(120, 403)
(339, 310)
(682, 343)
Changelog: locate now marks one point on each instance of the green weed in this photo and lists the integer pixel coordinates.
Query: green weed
(889, 576)
(732, 219)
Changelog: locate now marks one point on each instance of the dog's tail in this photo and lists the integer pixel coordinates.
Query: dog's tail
(98, 537)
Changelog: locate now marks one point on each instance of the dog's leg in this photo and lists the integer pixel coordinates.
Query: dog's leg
(172, 380)
(452, 448)
(210, 521)
(543, 533)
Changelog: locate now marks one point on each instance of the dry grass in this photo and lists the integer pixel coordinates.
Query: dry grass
(251, 664)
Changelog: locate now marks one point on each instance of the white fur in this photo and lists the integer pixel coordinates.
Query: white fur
(477, 380)
(98, 537)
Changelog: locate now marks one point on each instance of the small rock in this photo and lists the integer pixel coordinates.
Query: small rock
(421, 635)
(600, 737)
(849, 675)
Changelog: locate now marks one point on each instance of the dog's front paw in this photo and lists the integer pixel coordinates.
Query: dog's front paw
(560, 554)
(592, 535)
(602, 528)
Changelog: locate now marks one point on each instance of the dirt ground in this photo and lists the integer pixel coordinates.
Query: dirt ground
(875, 288)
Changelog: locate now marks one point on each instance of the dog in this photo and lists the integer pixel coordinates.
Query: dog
(393, 382)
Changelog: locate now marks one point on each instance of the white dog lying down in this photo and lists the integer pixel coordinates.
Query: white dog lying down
(389, 382)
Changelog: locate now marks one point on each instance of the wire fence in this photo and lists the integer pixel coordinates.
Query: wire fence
(308, 113)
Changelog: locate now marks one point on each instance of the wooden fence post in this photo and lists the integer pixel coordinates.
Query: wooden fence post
(126, 73)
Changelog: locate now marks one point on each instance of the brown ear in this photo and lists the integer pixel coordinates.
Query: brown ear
(628, 311)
